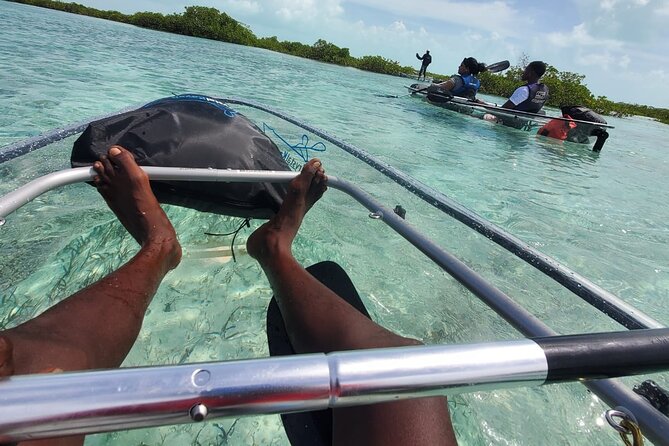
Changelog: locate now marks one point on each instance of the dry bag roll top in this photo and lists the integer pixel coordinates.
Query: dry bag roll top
(192, 131)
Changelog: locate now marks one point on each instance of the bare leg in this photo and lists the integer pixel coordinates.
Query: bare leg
(97, 326)
(6, 359)
(317, 320)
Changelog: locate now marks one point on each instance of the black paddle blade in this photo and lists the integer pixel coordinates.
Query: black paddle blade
(498, 66)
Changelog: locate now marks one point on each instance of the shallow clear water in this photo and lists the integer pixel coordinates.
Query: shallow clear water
(603, 215)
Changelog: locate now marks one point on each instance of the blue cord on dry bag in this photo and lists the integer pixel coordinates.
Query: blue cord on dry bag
(302, 148)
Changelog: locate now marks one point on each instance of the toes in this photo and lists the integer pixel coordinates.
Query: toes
(320, 176)
(104, 169)
(107, 168)
(312, 166)
(98, 167)
(121, 158)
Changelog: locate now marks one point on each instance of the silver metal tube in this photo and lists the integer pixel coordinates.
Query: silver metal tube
(359, 377)
(513, 313)
(494, 298)
(25, 194)
(42, 406)
(500, 302)
(654, 424)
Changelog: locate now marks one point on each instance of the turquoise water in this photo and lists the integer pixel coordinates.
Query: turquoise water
(603, 215)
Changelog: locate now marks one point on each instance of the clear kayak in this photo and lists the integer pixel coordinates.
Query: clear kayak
(590, 129)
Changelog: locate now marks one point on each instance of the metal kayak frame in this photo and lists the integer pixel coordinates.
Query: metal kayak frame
(136, 397)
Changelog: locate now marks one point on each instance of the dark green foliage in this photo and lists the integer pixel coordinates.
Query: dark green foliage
(378, 64)
(209, 23)
(565, 88)
(294, 48)
(154, 20)
(331, 53)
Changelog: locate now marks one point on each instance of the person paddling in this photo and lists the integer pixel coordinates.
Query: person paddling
(465, 84)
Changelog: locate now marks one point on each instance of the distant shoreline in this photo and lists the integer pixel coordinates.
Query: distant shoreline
(198, 21)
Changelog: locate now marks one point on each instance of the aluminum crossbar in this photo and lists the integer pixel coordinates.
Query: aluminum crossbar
(48, 405)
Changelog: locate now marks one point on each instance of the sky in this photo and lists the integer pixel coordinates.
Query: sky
(616, 44)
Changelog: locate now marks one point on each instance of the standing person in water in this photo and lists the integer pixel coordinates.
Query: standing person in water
(96, 327)
(465, 84)
(427, 60)
(532, 96)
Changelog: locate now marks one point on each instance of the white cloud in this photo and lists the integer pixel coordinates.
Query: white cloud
(659, 75)
(607, 5)
(600, 60)
(663, 9)
(579, 36)
(285, 10)
(642, 21)
(398, 26)
(499, 16)
(244, 6)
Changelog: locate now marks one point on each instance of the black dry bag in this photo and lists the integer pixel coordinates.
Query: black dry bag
(192, 131)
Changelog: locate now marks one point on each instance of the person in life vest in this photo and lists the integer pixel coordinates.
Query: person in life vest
(557, 128)
(427, 60)
(465, 84)
(532, 96)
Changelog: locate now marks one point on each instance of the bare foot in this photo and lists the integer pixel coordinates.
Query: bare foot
(6, 357)
(125, 187)
(277, 235)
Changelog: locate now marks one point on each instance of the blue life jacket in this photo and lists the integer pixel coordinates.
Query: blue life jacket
(470, 86)
(536, 99)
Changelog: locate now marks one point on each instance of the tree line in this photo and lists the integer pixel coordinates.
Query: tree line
(198, 21)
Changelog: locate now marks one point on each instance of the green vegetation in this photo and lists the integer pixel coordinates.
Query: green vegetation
(566, 88)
